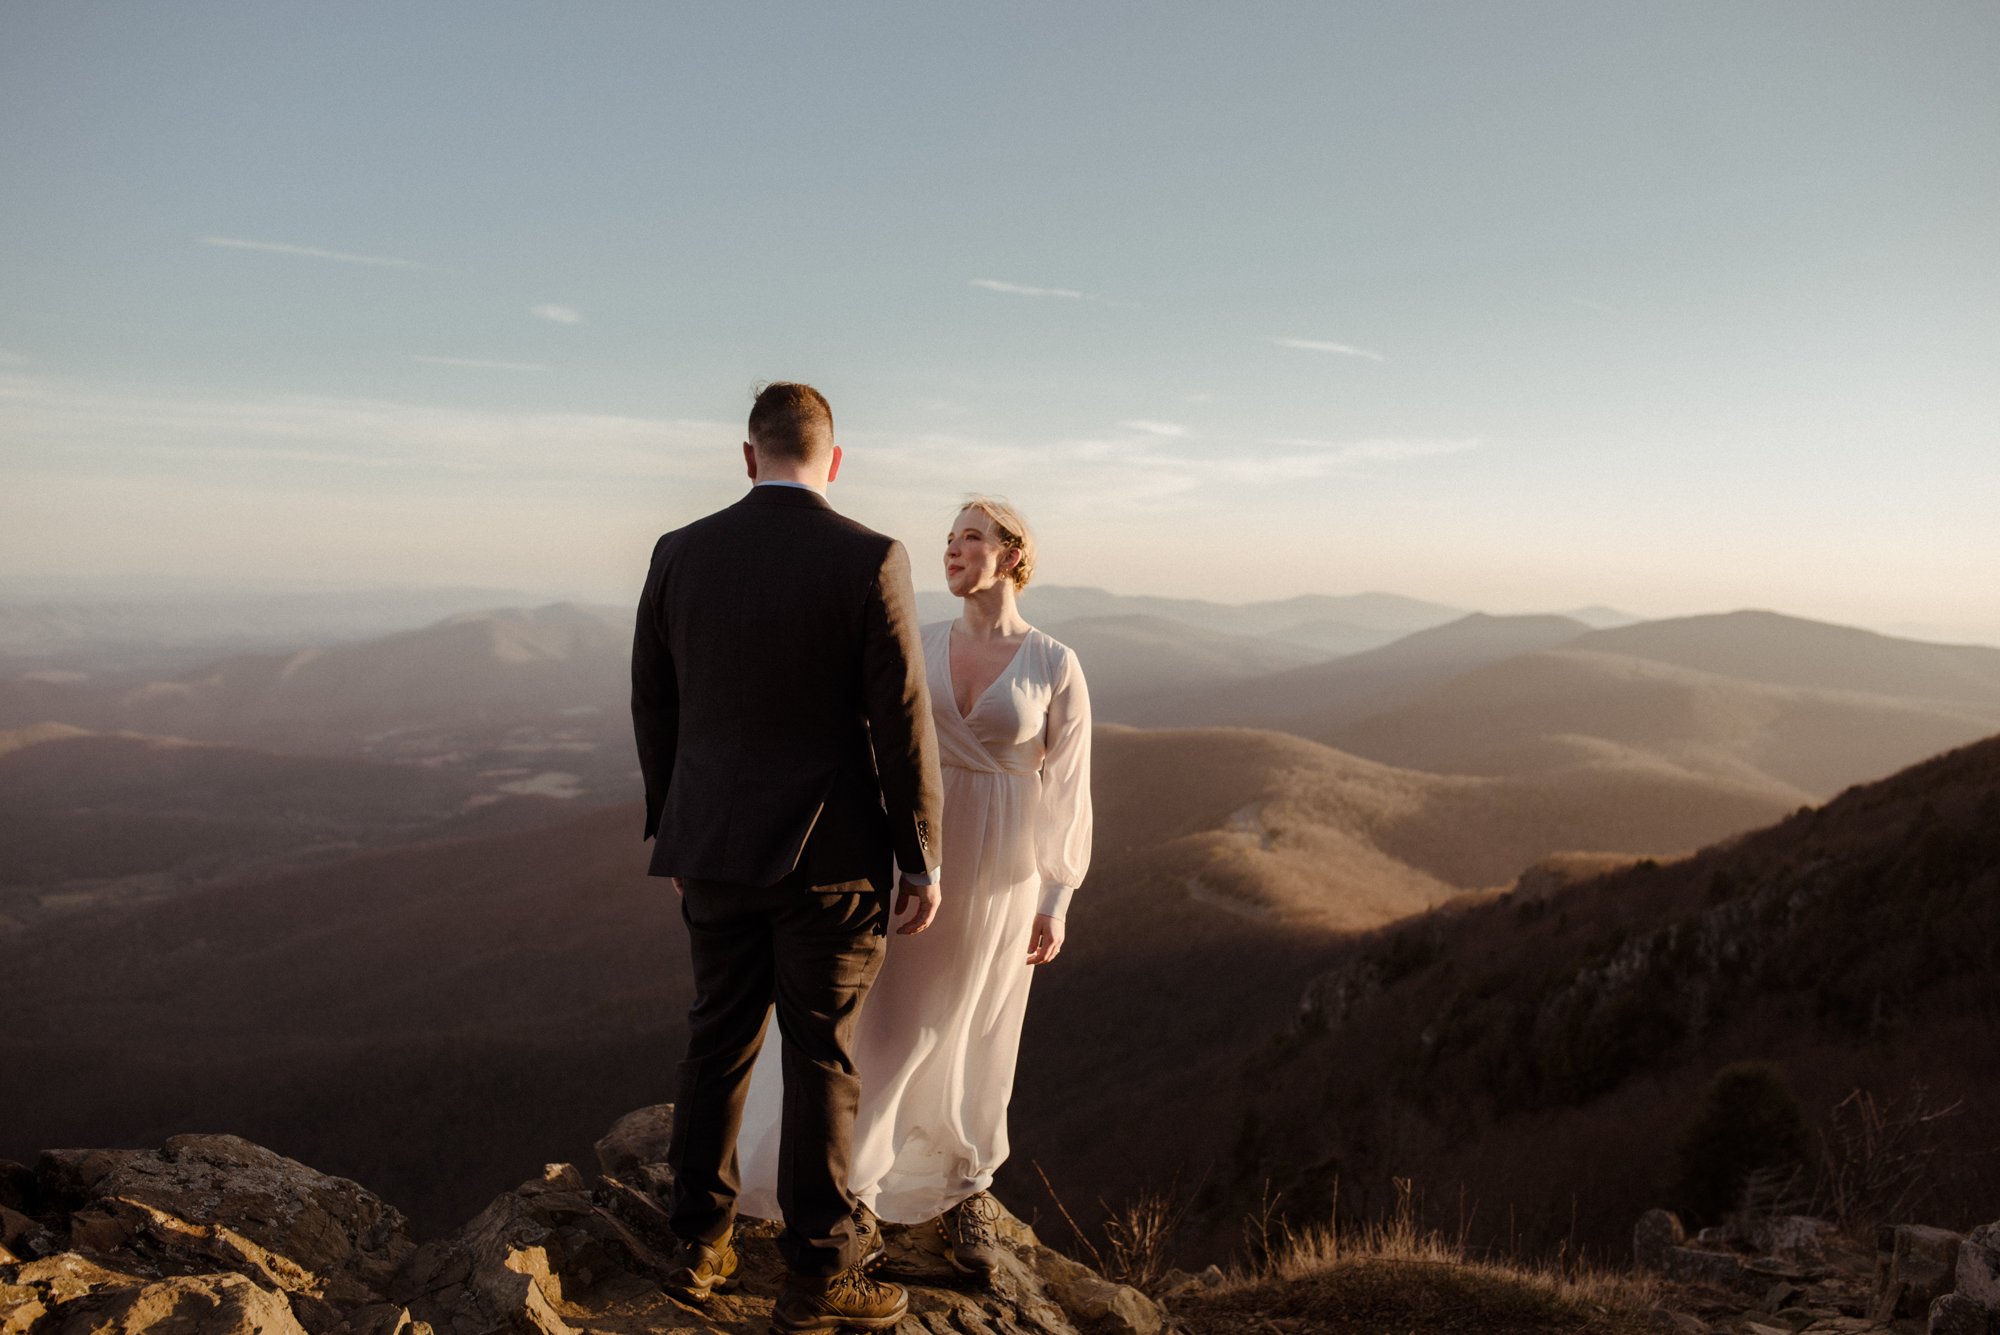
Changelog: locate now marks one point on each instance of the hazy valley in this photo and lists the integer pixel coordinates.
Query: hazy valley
(334, 895)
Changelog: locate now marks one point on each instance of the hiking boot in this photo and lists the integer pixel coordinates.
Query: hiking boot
(868, 1237)
(847, 1300)
(972, 1235)
(700, 1268)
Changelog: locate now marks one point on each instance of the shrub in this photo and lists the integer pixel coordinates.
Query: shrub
(1748, 1123)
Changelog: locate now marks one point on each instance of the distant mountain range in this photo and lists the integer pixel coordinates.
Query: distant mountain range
(1647, 738)
(99, 627)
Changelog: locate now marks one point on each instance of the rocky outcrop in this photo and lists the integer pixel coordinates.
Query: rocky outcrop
(1780, 1274)
(1916, 1266)
(1972, 1307)
(215, 1234)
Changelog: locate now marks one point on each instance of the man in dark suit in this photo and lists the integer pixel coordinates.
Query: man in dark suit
(785, 737)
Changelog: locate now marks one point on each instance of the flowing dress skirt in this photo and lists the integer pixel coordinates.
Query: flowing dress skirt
(939, 1033)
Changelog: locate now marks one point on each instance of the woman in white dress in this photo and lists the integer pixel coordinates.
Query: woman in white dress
(937, 1037)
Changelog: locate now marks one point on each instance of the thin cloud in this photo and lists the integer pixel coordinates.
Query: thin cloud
(148, 432)
(479, 363)
(1597, 306)
(1152, 428)
(1321, 345)
(9, 357)
(1023, 290)
(560, 314)
(1387, 449)
(307, 252)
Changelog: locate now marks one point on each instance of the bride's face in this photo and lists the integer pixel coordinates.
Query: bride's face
(974, 556)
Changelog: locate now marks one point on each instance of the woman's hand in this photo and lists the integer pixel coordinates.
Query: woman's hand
(1045, 941)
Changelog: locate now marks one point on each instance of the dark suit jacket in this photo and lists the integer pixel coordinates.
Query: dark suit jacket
(779, 700)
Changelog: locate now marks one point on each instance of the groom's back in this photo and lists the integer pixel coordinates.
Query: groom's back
(770, 625)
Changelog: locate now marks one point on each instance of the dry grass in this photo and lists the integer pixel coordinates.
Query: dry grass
(1394, 1275)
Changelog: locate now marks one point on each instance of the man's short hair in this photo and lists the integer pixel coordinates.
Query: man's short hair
(791, 421)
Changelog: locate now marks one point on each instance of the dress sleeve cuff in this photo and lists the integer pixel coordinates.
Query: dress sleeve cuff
(1055, 899)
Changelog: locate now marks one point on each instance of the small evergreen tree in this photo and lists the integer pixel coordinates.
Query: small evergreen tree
(1748, 1121)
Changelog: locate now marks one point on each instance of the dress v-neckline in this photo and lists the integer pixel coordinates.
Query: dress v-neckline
(952, 686)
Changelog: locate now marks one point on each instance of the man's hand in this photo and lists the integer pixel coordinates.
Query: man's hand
(1045, 940)
(925, 897)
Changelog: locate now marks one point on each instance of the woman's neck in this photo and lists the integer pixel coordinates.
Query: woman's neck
(990, 613)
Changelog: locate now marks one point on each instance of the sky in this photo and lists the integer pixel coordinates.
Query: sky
(1675, 308)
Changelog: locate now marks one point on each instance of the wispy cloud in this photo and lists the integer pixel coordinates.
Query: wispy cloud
(138, 432)
(1381, 449)
(560, 314)
(8, 357)
(1321, 345)
(1153, 428)
(1590, 305)
(307, 252)
(479, 363)
(1023, 290)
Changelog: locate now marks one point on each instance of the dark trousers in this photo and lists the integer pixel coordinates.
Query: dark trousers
(815, 952)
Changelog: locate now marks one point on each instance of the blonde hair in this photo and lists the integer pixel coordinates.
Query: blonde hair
(1011, 529)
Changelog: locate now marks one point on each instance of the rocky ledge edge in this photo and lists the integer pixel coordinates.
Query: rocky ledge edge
(212, 1233)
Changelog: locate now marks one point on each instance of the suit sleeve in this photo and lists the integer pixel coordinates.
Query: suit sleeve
(898, 703)
(656, 701)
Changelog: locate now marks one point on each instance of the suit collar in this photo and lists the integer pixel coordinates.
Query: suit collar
(797, 497)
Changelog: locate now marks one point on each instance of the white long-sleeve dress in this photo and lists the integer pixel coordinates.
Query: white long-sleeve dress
(938, 1035)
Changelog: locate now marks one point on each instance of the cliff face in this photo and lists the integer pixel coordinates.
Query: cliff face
(214, 1233)
(1542, 1049)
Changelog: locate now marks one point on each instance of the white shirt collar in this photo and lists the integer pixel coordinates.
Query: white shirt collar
(787, 482)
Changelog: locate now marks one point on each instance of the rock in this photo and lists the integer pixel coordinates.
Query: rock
(20, 1309)
(1180, 1281)
(23, 1237)
(210, 1304)
(72, 1293)
(1956, 1314)
(1761, 1328)
(1656, 1231)
(221, 1199)
(1691, 1265)
(1779, 1294)
(214, 1234)
(383, 1319)
(1097, 1303)
(637, 1139)
(17, 1186)
(1790, 1237)
(1918, 1268)
(1675, 1323)
(1716, 1235)
(1978, 1274)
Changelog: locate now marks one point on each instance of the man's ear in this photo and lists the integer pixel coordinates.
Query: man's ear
(750, 459)
(833, 468)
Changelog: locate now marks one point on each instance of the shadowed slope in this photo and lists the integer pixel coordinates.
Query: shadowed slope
(1543, 1049)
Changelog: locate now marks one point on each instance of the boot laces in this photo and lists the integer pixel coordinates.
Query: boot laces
(976, 1219)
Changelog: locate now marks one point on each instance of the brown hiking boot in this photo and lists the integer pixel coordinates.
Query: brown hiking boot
(700, 1268)
(972, 1235)
(868, 1237)
(847, 1300)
